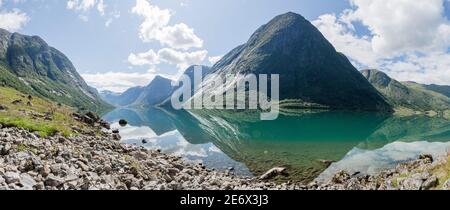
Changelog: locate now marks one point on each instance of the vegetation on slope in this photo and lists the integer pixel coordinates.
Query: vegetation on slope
(40, 116)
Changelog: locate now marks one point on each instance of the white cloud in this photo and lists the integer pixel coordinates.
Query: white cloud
(146, 58)
(170, 56)
(408, 39)
(156, 27)
(101, 7)
(214, 59)
(345, 41)
(119, 81)
(13, 20)
(400, 26)
(85, 5)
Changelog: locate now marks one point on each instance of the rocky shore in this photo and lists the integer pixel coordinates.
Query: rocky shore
(100, 162)
(86, 162)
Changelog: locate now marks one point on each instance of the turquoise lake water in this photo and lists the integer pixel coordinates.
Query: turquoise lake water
(358, 142)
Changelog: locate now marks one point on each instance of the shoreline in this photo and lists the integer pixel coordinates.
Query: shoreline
(100, 162)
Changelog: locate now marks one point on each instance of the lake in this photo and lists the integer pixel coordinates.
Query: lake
(355, 141)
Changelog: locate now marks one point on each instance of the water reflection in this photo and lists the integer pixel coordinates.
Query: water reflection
(359, 141)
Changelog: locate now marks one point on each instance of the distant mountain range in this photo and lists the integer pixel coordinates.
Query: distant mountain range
(159, 91)
(30, 65)
(409, 95)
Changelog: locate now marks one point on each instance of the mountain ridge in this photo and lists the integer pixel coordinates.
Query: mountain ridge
(30, 65)
(408, 95)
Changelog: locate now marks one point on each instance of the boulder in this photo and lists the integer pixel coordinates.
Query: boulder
(430, 183)
(123, 122)
(93, 116)
(273, 173)
(53, 181)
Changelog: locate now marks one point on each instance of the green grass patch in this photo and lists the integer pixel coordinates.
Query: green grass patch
(32, 117)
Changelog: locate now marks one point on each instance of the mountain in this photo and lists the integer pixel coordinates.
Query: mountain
(30, 65)
(157, 91)
(126, 98)
(442, 89)
(311, 70)
(408, 94)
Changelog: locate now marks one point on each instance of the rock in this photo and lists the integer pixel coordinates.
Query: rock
(173, 171)
(11, 177)
(45, 171)
(341, 177)
(3, 107)
(83, 166)
(326, 163)
(62, 139)
(30, 97)
(53, 181)
(123, 122)
(116, 137)
(230, 169)
(18, 102)
(411, 184)
(426, 157)
(446, 185)
(273, 173)
(430, 183)
(105, 125)
(93, 116)
(27, 182)
(5, 149)
(86, 119)
(115, 131)
(29, 104)
(144, 141)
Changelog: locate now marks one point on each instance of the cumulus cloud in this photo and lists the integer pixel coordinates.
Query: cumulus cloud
(13, 20)
(170, 56)
(407, 39)
(85, 5)
(155, 27)
(400, 26)
(119, 81)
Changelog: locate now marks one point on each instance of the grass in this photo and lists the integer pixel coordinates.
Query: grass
(32, 117)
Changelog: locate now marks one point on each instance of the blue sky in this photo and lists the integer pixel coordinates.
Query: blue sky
(116, 44)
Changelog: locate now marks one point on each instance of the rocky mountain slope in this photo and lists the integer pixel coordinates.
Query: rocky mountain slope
(30, 65)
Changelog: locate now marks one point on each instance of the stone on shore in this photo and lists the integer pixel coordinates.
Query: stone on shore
(273, 173)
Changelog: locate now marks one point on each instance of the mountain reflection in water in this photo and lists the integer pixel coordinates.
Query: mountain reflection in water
(222, 139)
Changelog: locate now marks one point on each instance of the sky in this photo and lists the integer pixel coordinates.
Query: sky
(118, 44)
